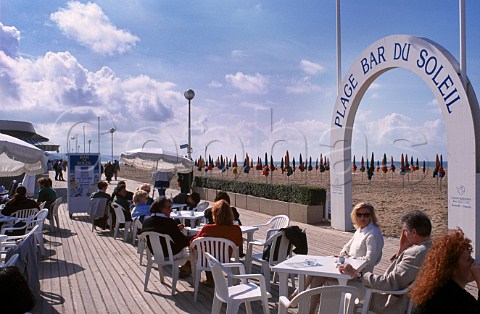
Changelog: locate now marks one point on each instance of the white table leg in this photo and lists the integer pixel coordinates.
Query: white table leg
(283, 284)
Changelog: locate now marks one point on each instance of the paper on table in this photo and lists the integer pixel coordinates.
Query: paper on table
(302, 265)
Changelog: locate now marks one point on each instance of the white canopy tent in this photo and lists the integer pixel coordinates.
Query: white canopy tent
(17, 157)
(157, 159)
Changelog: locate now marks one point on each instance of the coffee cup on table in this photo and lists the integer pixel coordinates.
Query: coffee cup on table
(311, 262)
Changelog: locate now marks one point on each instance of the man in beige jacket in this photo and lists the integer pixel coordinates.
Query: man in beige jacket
(414, 244)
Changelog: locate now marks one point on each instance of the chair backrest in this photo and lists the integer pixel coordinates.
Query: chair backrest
(42, 205)
(156, 240)
(38, 220)
(97, 206)
(279, 222)
(12, 261)
(333, 299)
(202, 206)
(25, 214)
(222, 249)
(56, 205)
(399, 293)
(118, 212)
(279, 248)
(219, 273)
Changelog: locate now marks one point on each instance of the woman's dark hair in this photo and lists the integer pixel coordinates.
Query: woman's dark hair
(15, 291)
(222, 195)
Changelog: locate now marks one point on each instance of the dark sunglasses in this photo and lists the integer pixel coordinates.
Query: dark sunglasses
(366, 215)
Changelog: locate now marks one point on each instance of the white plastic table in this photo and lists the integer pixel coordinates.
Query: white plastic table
(183, 215)
(248, 230)
(326, 266)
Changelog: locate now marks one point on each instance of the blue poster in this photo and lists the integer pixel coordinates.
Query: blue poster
(83, 176)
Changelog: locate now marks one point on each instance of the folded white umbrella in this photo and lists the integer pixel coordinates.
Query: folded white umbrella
(157, 159)
(17, 157)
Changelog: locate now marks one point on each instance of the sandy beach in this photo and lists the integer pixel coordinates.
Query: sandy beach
(392, 196)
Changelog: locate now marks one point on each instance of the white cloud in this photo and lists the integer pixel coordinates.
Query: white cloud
(249, 84)
(88, 25)
(215, 84)
(302, 86)
(310, 67)
(9, 40)
(238, 53)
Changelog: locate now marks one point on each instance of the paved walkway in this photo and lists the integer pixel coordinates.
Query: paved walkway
(90, 272)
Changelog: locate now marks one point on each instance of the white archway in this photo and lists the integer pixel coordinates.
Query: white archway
(459, 106)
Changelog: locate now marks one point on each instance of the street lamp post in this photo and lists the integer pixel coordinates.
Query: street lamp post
(75, 137)
(89, 142)
(189, 95)
(112, 130)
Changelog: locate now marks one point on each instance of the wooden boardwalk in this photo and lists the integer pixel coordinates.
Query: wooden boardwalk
(90, 272)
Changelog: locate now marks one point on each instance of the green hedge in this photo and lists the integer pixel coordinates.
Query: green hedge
(294, 193)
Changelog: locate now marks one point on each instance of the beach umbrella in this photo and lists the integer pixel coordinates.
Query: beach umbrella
(362, 165)
(246, 166)
(402, 165)
(384, 163)
(301, 167)
(310, 167)
(235, 165)
(423, 167)
(327, 163)
(371, 169)
(392, 165)
(272, 165)
(437, 165)
(156, 158)
(441, 171)
(322, 165)
(407, 165)
(293, 164)
(378, 166)
(316, 165)
(354, 166)
(416, 165)
(258, 167)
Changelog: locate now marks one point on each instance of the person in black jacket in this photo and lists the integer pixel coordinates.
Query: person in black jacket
(222, 195)
(161, 222)
(19, 201)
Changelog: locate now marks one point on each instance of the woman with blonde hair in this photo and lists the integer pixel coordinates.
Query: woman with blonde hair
(440, 284)
(366, 243)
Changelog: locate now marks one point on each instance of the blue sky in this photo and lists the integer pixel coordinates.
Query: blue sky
(264, 73)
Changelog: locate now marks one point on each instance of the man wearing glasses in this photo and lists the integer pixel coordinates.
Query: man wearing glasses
(414, 244)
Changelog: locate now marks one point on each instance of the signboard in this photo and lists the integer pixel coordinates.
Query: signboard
(83, 176)
(438, 69)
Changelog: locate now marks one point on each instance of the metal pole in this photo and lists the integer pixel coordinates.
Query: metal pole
(189, 151)
(89, 141)
(112, 147)
(463, 50)
(84, 140)
(339, 50)
(98, 134)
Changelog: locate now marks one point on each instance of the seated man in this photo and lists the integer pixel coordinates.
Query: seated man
(191, 200)
(414, 244)
(101, 193)
(161, 222)
(120, 199)
(222, 195)
(19, 201)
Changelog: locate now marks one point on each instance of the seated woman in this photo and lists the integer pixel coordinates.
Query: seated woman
(141, 208)
(366, 243)
(222, 195)
(223, 227)
(147, 188)
(46, 194)
(19, 201)
(440, 283)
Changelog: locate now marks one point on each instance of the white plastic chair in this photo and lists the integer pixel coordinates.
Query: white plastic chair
(273, 225)
(280, 250)
(7, 242)
(54, 215)
(42, 205)
(25, 214)
(158, 257)
(11, 262)
(222, 249)
(245, 292)
(97, 208)
(333, 299)
(137, 225)
(369, 292)
(38, 221)
(201, 207)
(120, 220)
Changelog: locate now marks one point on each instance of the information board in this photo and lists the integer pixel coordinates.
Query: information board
(83, 176)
